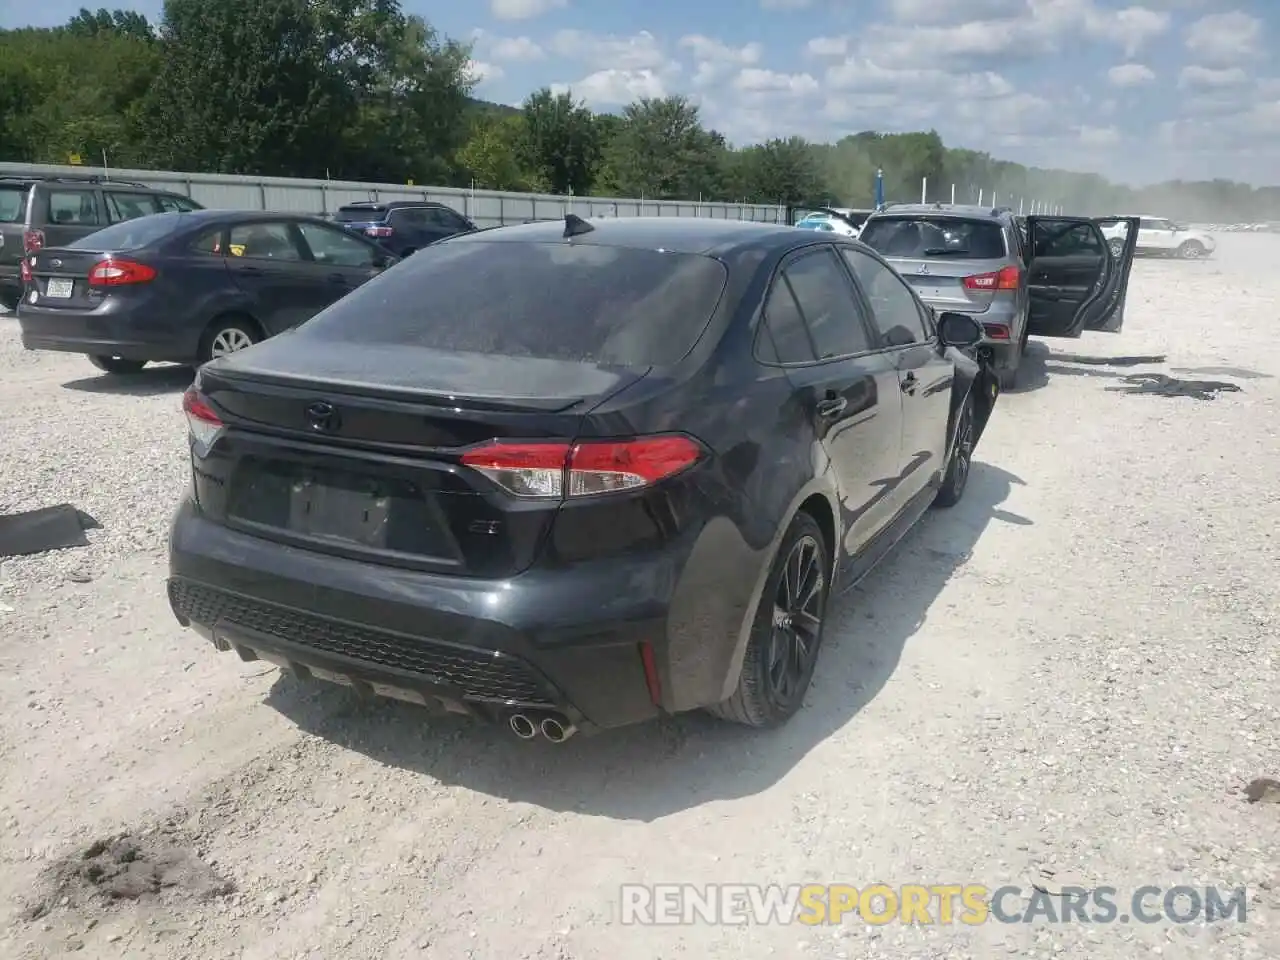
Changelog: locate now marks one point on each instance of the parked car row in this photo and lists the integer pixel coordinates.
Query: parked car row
(565, 475)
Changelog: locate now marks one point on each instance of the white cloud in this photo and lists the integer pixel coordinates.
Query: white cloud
(785, 4)
(1130, 75)
(524, 9)
(755, 80)
(1194, 76)
(515, 49)
(615, 88)
(935, 12)
(1222, 39)
(716, 60)
(1099, 136)
(641, 51)
(483, 72)
(827, 46)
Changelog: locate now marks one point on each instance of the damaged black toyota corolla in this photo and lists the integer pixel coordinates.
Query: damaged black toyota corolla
(572, 476)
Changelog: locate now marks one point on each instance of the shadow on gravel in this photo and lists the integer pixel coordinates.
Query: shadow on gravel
(1040, 364)
(656, 769)
(148, 382)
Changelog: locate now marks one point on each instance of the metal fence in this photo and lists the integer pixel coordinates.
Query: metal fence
(486, 208)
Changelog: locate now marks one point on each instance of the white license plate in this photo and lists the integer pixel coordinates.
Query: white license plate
(61, 289)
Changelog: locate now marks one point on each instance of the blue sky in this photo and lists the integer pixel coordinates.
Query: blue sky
(1138, 90)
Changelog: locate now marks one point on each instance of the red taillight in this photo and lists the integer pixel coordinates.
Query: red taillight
(205, 425)
(32, 240)
(1006, 278)
(26, 270)
(652, 679)
(996, 331)
(557, 470)
(114, 272)
(378, 231)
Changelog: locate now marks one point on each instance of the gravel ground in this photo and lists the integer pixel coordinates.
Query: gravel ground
(1069, 678)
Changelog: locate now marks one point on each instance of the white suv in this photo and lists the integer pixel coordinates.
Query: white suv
(1161, 237)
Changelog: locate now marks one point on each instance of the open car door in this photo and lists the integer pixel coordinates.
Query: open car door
(1076, 282)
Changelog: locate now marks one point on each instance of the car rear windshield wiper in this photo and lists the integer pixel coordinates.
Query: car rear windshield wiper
(945, 252)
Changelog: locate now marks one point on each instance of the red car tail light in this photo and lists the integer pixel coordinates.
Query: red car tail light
(996, 331)
(26, 270)
(32, 240)
(115, 272)
(1006, 278)
(205, 425)
(378, 231)
(554, 471)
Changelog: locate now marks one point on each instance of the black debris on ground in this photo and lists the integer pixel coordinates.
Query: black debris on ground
(49, 528)
(1161, 385)
(1107, 361)
(1263, 790)
(126, 867)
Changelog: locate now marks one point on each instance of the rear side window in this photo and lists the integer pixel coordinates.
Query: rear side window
(172, 204)
(360, 214)
(13, 204)
(131, 234)
(128, 206)
(919, 237)
(578, 302)
(786, 340)
(447, 219)
(73, 207)
(828, 303)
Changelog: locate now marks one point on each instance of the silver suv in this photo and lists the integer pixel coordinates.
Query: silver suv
(1050, 276)
(965, 259)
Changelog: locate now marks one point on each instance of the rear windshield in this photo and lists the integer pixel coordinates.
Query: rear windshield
(359, 214)
(13, 204)
(595, 304)
(131, 234)
(935, 237)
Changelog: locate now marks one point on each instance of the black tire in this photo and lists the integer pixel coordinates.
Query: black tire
(958, 467)
(223, 333)
(116, 365)
(1191, 250)
(761, 700)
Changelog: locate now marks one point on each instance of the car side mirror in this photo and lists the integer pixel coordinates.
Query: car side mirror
(959, 330)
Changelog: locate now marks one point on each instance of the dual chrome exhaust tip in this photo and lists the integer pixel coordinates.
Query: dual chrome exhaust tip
(554, 727)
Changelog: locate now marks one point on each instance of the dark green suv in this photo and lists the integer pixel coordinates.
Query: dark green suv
(53, 211)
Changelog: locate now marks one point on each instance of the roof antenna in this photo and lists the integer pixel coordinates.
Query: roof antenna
(575, 226)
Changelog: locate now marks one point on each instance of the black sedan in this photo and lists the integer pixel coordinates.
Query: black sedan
(188, 287)
(573, 476)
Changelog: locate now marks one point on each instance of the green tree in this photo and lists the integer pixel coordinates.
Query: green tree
(784, 171)
(490, 155)
(561, 143)
(127, 23)
(661, 151)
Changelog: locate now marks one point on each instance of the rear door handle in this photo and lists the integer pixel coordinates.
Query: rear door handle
(831, 407)
(251, 271)
(908, 383)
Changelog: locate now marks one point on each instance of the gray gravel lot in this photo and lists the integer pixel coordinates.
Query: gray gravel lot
(1068, 679)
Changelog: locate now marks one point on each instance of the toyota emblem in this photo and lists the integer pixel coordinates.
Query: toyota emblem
(323, 417)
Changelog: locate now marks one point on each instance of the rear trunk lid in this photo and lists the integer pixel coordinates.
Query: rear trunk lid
(356, 449)
(939, 281)
(60, 275)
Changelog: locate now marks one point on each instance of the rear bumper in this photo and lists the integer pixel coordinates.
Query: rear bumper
(125, 335)
(1003, 352)
(567, 639)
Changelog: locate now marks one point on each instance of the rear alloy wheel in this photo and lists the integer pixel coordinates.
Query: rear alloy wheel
(116, 365)
(1191, 250)
(783, 649)
(229, 336)
(957, 476)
